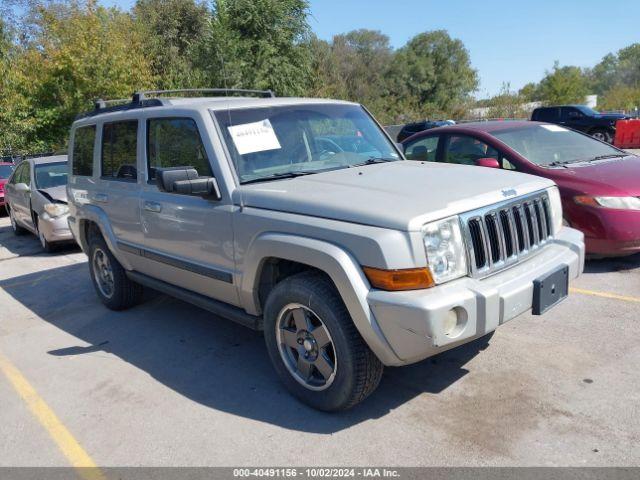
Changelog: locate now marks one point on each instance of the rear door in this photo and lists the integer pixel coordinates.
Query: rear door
(117, 191)
(188, 240)
(550, 115)
(21, 201)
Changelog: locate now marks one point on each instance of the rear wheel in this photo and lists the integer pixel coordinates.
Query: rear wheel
(314, 345)
(17, 229)
(602, 135)
(109, 278)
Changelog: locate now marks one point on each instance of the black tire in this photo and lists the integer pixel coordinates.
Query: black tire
(47, 246)
(17, 229)
(124, 293)
(602, 135)
(357, 370)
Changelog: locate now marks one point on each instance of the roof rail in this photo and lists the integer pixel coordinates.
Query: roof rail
(215, 91)
(141, 100)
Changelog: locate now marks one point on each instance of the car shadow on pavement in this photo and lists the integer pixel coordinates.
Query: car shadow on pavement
(12, 245)
(209, 360)
(612, 264)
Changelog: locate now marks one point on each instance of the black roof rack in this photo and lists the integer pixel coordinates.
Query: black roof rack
(140, 99)
(209, 91)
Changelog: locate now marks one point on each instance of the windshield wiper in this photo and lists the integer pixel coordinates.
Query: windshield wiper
(558, 163)
(609, 155)
(279, 176)
(372, 160)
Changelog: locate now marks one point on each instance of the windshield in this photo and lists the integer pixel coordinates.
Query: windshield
(280, 141)
(587, 111)
(5, 171)
(50, 175)
(551, 144)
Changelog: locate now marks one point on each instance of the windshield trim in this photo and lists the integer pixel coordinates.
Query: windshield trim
(229, 158)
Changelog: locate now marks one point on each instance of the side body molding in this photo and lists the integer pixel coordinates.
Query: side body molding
(339, 265)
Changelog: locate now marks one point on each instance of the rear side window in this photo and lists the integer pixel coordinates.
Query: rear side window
(547, 115)
(175, 142)
(82, 160)
(424, 149)
(119, 147)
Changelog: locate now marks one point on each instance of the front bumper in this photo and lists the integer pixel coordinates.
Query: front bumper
(413, 321)
(55, 229)
(608, 232)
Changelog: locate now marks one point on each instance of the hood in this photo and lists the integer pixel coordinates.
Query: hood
(401, 195)
(55, 193)
(615, 177)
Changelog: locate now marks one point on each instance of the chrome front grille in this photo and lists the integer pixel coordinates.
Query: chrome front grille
(500, 235)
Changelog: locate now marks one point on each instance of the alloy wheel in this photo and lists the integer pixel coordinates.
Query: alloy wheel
(103, 273)
(306, 347)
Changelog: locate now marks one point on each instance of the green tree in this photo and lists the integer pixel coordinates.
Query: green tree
(172, 29)
(258, 44)
(353, 66)
(564, 85)
(434, 71)
(530, 92)
(76, 54)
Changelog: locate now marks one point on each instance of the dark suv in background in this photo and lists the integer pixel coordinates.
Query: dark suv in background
(582, 118)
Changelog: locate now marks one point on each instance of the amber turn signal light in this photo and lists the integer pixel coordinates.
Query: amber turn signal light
(406, 279)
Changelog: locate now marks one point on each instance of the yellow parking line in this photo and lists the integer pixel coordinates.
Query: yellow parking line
(606, 295)
(69, 446)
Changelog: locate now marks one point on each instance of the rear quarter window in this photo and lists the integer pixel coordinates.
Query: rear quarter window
(82, 154)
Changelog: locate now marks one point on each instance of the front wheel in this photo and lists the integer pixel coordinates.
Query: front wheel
(46, 245)
(314, 345)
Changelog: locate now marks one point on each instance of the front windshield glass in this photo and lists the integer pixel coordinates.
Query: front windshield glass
(587, 111)
(551, 144)
(5, 171)
(288, 140)
(50, 175)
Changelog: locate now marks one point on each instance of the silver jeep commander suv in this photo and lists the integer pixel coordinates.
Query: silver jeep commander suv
(300, 217)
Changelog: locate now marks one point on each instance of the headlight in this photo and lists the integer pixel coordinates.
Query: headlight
(446, 254)
(556, 209)
(56, 209)
(620, 203)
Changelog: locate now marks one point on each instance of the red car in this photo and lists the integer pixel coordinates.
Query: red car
(599, 184)
(5, 172)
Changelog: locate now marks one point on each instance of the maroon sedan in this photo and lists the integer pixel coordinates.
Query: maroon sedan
(599, 184)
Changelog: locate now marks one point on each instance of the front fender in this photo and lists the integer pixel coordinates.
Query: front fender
(338, 264)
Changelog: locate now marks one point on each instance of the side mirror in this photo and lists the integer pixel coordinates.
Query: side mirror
(487, 162)
(22, 188)
(186, 181)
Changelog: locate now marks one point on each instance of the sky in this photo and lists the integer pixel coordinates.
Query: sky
(513, 41)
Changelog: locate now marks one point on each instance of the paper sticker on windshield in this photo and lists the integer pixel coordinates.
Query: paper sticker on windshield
(254, 137)
(554, 128)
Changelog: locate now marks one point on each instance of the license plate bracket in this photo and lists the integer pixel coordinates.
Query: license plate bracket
(550, 289)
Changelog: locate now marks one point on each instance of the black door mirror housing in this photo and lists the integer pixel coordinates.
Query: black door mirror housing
(187, 181)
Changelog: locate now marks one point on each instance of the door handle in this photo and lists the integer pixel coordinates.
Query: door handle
(101, 197)
(154, 207)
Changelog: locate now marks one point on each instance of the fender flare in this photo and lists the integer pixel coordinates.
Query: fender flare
(339, 265)
(92, 213)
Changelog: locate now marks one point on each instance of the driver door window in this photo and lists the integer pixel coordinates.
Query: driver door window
(465, 150)
(424, 149)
